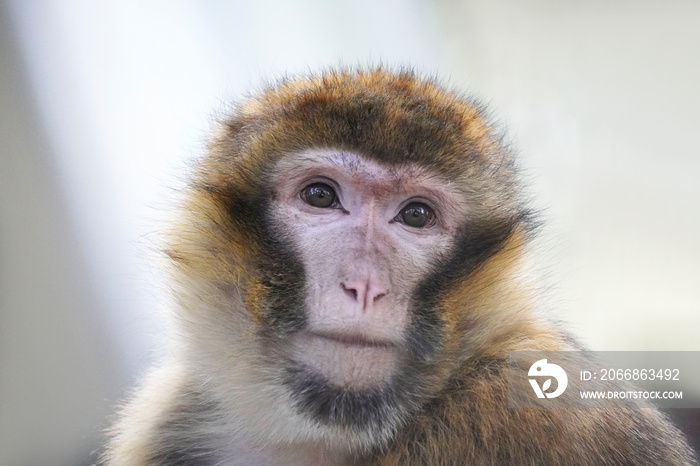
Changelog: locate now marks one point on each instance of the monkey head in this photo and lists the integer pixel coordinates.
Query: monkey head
(328, 251)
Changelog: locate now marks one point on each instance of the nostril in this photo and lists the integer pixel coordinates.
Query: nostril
(378, 297)
(349, 291)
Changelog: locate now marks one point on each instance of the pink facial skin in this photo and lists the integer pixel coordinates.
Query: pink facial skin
(362, 259)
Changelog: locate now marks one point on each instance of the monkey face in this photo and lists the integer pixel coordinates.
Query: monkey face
(365, 235)
(352, 240)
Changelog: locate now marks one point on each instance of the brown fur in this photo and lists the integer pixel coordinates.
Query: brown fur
(219, 248)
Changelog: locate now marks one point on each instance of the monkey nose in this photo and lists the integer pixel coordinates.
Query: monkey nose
(364, 292)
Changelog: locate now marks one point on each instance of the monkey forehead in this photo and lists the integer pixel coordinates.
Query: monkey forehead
(391, 117)
(377, 178)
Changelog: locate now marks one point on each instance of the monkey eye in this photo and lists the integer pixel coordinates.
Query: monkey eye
(416, 215)
(319, 195)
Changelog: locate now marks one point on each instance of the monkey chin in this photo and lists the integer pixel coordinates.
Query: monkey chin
(346, 361)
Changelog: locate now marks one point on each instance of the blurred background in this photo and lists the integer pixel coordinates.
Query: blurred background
(102, 105)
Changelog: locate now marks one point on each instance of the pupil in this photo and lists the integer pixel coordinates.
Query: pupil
(319, 195)
(417, 215)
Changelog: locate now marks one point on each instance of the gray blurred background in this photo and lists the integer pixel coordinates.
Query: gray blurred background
(103, 103)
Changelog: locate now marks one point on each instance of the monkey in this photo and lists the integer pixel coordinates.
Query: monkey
(349, 268)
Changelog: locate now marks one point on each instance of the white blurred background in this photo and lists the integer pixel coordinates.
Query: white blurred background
(103, 103)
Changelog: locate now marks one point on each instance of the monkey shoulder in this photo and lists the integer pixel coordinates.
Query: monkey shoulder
(470, 422)
(158, 425)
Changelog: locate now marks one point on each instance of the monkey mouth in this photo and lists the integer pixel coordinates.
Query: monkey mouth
(344, 359)
(353, 339)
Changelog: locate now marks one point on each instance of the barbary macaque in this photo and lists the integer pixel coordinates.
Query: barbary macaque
(350, 274)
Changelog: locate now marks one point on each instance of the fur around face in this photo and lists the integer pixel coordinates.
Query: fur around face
(238, 280)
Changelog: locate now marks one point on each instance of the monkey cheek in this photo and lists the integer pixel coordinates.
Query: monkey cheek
(342, 364)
